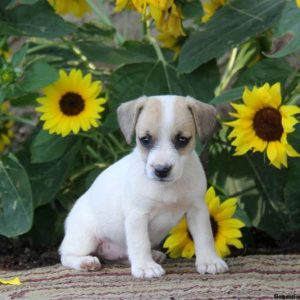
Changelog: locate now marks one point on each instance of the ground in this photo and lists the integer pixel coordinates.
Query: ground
(20, 254)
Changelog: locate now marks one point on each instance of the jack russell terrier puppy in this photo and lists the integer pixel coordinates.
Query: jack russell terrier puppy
(133, 204)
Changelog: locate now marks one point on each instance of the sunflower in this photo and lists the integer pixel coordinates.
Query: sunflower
(298, 3)
(226, 230)
(170, 42)
(263, 123)
(210, 7)
(6, 132)
(76, 7)
(71, 103)
(166, 14)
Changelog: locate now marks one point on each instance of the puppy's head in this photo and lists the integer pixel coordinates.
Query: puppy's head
(165, 128)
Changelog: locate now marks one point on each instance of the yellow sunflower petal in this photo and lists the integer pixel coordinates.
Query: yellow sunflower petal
(230, 233)
(189, 250)
(231, 223)
(289, 110)
(13, 281)
(175, 239)
(210, 195)
(228, 203)
(226, 213)
(275, 93)
(221, 247)
(235, 242)
(291, 151)
(272, 151)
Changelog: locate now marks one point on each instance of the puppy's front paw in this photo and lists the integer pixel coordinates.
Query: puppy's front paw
(90, 263)
(147, 270)
(211, 265)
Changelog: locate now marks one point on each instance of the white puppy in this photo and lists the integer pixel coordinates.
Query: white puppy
(133, 204)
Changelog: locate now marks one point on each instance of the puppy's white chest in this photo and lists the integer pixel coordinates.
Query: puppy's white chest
(162, 219)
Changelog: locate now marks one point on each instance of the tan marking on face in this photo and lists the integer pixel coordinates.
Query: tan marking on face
(184, 124)
(149, 122)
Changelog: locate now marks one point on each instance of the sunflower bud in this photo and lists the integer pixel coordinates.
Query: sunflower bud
(7, 76)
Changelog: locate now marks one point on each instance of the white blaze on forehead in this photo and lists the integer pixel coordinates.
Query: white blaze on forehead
(168, 115)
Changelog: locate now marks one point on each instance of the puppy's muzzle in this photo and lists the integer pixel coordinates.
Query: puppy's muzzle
(162, 172)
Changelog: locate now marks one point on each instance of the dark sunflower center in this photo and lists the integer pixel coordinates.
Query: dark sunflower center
(267, 124)
(71, 104)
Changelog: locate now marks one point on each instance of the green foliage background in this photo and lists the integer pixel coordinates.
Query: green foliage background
(245, 43)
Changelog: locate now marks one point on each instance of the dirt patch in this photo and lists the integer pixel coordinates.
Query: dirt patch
(19, 254)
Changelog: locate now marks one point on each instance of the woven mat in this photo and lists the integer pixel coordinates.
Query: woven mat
(258, 277)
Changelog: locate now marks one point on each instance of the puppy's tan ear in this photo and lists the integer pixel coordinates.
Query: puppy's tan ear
(128, 114)
(205, 118)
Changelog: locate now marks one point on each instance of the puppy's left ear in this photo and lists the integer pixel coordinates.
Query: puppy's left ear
(205, 118)
(128, 114)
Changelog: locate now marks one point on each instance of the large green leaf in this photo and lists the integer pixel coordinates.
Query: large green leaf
(228, 96)
(267, 70)
(133, 80)
(230, 26)
(39, 75)
(291, 196)
(48, 147)
(16, 209)
(47, 178)
(131, 52)
(286, 38)
(37, 20)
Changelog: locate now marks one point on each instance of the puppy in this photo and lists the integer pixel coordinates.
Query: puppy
(134, 203)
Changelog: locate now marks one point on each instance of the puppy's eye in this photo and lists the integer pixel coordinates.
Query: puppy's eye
(181, 141)
(146, 141)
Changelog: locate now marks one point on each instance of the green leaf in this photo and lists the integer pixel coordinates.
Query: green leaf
(96, 31)
(192, 9)
(13, 91)
(110, 124)
(133, 80)
(267, 70)
(48, 147)
(16, 209)
(294, 138)
(230, 26)
(47, 178)
(38, 19)
(18, 2)
(291, 195)
(39, 75)
(202, 82)
(19, 55)
(228, 96)
(131, 52)
(47, 229)
(286, 38)
(25, 100)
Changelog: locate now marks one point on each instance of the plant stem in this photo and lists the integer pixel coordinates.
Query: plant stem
(259, 178)
(160, 57)
(87, 169)
(21, 120)
(228, 74)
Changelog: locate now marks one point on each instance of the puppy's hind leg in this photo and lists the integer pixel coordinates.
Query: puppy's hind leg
(77, 247)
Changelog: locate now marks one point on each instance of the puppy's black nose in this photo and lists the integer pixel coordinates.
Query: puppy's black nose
(162, 171)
